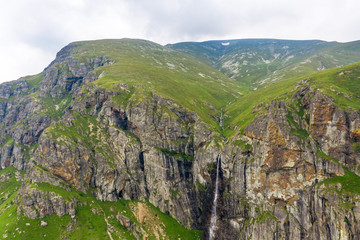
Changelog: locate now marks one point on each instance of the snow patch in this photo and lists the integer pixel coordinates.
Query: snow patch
(264, 81)
(225, 43)
(157, 61)
(202, 75)
(289, 57)
(102, 74)
(306, 61)
(170, 65)
(276, 55)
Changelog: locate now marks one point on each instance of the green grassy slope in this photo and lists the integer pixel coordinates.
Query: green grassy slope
(142, 69)
(147, 68)
(94, 218)
(342, 83)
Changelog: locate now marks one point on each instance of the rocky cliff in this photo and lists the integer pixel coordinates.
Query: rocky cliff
(297, 179)
(291, 174)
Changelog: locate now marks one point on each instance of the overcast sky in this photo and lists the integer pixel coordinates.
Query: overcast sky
(32, 31)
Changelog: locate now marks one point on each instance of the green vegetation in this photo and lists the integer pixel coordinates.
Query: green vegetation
(262, 216)
(340, 83)
(350, 182)
(242, 112)
(265, 216)
(67, 195)
(356, 147)
(255, 61)
(143, 68)
(26, 149)
(9, 186)
(20, 227)
(54, 107)
(245, 147)
(180, 156)
(296, 130)
(174, 192)
(34, 82)
(200, 186)
(172, 228)
(93, 217)
(7, 141)
(83, 129)
(123, 98)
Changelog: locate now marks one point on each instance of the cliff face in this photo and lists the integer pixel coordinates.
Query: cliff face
(288, 176)
(294, 182)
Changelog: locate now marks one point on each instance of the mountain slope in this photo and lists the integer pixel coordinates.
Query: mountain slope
(341, 83)
(114, 119)
(258, 61)
(150, 68)
(118, 138)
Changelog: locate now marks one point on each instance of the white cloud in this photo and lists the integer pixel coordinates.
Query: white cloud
(33, 31)
(20, 59)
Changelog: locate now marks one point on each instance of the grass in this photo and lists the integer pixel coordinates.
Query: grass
(15, 226)
(8, 185)
(296, 130)
(356, 147)
(34, 82)
(46, 187)
(343, 84)
(200, 186)
(340, 83)
(245, 147)
(147, 68)
(172, 228)
(90, 217)
(180, 156)
(55, 107)
(7, 141)
(244, 59)
(82, 130)
(242, 112)
(89, 224)
(350, 182)
(123, 98)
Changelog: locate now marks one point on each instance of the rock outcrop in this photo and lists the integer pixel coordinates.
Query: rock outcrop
(280, 187)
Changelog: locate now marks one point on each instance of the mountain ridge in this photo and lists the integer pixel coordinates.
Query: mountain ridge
(270, 59)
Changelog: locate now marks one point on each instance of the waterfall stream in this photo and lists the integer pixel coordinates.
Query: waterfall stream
(221, 119)
(213, 212)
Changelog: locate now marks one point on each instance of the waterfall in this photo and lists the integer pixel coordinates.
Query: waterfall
(213, 212)
(221, 119)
